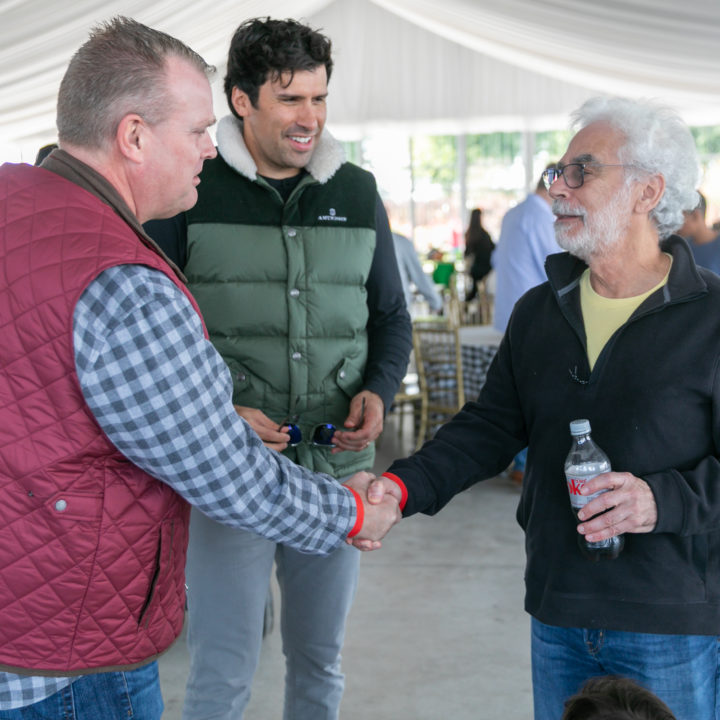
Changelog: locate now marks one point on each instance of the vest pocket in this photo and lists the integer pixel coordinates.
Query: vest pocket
(144, 612)
(349, 378)
(161, 575)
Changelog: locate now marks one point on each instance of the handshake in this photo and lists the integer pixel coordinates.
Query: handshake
(381, 498)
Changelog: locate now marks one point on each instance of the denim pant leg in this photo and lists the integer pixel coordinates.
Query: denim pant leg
(561, 663)
(228, 572)
(131, 695)
(317, 593)
(682, 670)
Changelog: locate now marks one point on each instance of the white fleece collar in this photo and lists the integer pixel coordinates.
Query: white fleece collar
(325, 162)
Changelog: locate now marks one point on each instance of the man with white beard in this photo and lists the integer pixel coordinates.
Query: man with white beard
(625, 333)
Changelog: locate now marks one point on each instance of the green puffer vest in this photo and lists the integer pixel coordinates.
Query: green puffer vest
(282, 291)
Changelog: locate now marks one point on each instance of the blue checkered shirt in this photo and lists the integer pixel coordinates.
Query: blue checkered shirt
(162, 394)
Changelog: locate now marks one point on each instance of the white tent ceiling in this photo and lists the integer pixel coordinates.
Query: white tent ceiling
(455, 65)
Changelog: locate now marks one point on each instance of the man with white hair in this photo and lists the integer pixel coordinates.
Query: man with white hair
(626, 333)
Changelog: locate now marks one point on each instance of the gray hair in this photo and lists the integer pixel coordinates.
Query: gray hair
(120, 69)
(657, 142)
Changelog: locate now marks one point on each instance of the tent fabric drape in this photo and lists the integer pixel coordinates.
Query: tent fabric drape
(646, 46)
(451, 66)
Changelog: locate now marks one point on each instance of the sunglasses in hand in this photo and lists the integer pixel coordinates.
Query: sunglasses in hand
(322, 434)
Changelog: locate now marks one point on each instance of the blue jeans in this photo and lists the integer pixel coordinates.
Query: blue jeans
(132, 695)
(682, 670)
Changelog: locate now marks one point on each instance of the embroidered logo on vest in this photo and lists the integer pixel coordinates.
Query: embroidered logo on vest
(332, 216)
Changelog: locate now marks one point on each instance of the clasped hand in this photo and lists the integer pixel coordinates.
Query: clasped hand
(382, 510)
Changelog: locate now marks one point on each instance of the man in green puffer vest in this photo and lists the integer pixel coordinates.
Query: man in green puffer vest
(290, 257)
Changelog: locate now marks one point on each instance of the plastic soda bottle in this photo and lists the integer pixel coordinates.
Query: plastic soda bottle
(584, 461)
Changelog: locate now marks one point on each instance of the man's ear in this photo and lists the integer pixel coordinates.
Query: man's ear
(131, 137)
(240, 102)
(653, 189)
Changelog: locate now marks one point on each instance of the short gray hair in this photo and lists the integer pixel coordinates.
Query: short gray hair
(657, 142)
(120, 69)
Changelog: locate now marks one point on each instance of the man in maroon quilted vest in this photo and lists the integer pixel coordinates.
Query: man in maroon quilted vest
(115, 410)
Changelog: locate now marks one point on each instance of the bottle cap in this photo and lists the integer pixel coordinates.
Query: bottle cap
(579, 427)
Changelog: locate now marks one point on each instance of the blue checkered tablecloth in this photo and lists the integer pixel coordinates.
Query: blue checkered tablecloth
(476, 360)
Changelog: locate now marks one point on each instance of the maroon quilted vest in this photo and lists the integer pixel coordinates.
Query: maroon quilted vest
(92, 548)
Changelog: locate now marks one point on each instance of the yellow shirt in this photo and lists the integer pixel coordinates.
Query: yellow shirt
(603, 316)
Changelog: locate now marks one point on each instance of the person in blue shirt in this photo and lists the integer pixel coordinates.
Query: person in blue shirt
(704, 241)
(527, 237)
(411, 272)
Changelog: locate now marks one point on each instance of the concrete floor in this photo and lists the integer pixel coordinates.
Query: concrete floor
(437, 630)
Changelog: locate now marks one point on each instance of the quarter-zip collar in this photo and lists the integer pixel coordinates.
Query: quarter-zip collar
(684, 285)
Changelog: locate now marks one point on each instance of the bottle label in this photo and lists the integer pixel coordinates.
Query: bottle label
(574, 483)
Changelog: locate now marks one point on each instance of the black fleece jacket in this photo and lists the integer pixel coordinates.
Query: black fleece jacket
(653, 399)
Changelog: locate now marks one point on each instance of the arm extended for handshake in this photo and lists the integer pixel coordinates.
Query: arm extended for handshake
(380, 498)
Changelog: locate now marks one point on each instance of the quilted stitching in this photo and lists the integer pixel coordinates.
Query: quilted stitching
(72, 585)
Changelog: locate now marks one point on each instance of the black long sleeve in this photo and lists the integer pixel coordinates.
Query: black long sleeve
(389, 328)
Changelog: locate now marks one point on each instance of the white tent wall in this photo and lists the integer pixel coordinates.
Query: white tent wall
(391, 72)
(663, 48)
(459, 65)
(38, 38)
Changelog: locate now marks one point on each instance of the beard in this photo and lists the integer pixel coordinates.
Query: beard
(600, 232)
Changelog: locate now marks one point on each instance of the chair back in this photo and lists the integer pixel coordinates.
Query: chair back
(439, 366)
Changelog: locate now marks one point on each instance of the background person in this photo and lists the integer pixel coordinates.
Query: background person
(527, 237)
(116, 409)
(703, 240)
(412, 273)
(290, 256)
(478, 249)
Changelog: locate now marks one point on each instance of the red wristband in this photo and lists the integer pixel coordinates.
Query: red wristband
(401, 485)
(360, 514)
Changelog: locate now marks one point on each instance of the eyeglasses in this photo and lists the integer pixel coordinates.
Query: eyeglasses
(574, 173)
(322, 434)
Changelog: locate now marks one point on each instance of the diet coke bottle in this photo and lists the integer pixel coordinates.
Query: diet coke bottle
(584, 461)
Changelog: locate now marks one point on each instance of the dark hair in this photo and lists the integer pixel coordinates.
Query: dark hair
(475, 218)
(264, 49)
(120, 69)
(477, 238)
(612, 697)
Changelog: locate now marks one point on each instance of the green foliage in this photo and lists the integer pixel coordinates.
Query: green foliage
(707, 139)
(553, 142)
(435, 157)
(494, 146)
(353, 151)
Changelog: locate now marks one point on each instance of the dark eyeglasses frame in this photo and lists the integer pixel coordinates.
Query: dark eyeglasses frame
(550, 175)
